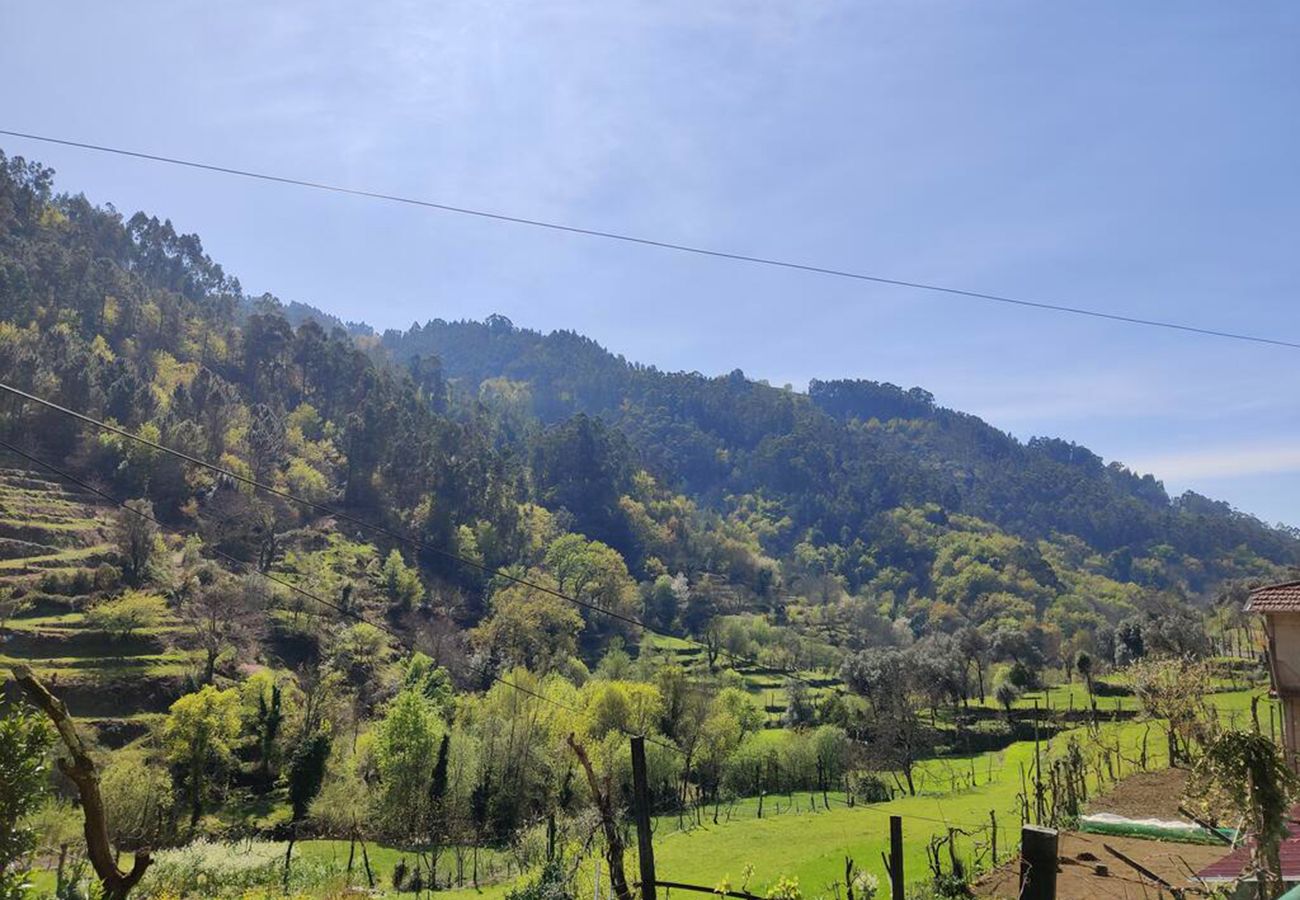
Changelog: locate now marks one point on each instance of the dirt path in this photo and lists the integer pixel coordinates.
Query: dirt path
(1082, 853)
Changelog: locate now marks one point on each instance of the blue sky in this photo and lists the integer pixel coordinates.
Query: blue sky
(1136, 158)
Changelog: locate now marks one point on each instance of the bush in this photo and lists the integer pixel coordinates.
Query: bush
(107, 577)
(552, 883)
(871, 788)
(77, 583)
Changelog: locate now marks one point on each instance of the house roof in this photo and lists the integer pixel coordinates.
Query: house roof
(1237, 863)
(1275, 598)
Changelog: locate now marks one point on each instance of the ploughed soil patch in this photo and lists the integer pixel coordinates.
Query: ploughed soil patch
(1145, 795)
(1078, 877)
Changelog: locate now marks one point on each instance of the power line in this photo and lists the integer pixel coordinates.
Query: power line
(393, 535)
(661, 244)
(337, 607)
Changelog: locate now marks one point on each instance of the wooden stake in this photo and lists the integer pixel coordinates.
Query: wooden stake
(993, 824)
(896, 857)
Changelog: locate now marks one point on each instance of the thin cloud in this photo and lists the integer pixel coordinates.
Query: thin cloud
(1224, 462)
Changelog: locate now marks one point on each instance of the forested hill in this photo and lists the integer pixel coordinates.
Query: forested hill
(842, 453)
(865, 509)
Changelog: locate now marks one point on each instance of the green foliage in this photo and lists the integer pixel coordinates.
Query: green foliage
(529, 627)
(405, 748)
(197, 738)
(1006, 693)
(1250, 772)
(135, 536)
(422, 675)
(551, 883)
(137, 800)
(25, 739)
(402, 582)
(307, 772)
(122, 616)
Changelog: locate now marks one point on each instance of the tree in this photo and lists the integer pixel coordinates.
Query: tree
(135, 534)
(406, 740)
(1250, 772)
(307, 773)
(799, 709)
(1129, 643)
(137, 801)
(975, 648)
(1173, 691)
(342, 805)
(401, 582)
(1006, 694)
(887, 678)
(529, 627)
(198, 737)
(263, 701)
(595, 574)
(585, 466)
(24, 740)
(1083, 664)
(358, 654)
(120, 617)
(226, 615)
(663, 598)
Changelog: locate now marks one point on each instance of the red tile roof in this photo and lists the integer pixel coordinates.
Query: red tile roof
(1275, 598)
(1237, 863)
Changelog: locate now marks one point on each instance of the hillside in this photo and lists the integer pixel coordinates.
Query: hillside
(420, 564)
(56, 544)
(847, 451)
(857, 494)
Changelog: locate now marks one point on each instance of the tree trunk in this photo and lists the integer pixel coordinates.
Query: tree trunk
(613, 840)
(365, 859)
(80, 769)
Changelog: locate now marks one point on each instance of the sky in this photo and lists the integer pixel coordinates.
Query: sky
(1139, 159)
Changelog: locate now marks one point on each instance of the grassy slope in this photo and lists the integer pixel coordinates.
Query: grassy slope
(812, 845)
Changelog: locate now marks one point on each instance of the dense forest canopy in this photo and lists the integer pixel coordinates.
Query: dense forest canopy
(860, 500)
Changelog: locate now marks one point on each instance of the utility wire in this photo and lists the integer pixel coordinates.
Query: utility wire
(406, 644)
(662, 244)
(393, 535)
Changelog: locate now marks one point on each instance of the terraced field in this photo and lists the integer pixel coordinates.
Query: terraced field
(56, 562)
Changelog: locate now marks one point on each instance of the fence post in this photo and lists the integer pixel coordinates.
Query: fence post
(1038, 860)
(896, 857)
(641, 803)
(993, 830)
(1038, 772)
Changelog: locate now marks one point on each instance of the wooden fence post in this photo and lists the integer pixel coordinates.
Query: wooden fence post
(993, 831)
(896, 857)
(1038, 860)
(641, 802)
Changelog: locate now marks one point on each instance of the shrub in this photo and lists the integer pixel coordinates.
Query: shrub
(77, 583)
(871, 788)
(552, 883)
(108, 577)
